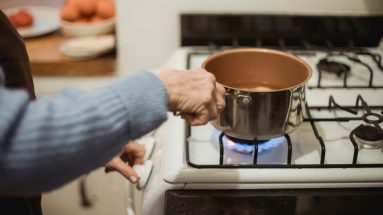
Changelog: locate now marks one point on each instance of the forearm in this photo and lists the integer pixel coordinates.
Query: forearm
(59, 139)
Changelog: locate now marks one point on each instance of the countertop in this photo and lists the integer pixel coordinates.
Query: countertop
(47, 60)
(53, 71)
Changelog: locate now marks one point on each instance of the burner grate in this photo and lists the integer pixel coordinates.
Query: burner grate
(360, 104)
(341, 69)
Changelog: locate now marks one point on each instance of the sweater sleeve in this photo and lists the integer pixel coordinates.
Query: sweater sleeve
(50, 141)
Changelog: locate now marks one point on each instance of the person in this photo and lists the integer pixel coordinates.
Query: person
(47, 142)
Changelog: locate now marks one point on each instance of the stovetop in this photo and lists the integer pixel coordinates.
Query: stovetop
(319, 154)
(332, 113)
(322, 153)
(344, 93)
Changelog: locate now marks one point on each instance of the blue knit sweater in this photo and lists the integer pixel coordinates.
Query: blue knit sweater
(50, 141)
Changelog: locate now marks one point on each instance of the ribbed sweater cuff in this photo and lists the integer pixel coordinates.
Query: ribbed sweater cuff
(145, 98)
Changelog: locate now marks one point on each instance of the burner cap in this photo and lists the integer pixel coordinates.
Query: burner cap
(368, 133)
(333, 67)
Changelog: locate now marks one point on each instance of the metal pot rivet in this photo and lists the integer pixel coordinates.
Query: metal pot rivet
(245, 100)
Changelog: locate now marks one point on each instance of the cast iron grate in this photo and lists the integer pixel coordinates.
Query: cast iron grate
(360, 104)
(342, 69)
(352, 54)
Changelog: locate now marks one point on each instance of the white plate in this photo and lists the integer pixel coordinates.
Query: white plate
(88, 29)
(46, 20)
(89, 46)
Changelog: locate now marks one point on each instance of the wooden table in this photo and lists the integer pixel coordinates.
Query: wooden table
(47, 60)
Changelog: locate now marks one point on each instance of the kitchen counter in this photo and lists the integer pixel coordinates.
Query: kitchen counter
(52, 70)
(47, 59)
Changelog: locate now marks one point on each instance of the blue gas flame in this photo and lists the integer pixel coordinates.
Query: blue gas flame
(245, 147)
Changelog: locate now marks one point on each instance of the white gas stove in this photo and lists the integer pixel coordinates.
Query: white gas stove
(332, 162)
(321, 153)
(307, 157)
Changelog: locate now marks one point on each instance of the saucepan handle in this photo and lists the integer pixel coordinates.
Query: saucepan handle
(242, 99)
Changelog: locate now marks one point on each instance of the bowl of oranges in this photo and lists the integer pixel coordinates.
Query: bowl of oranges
(87, 17)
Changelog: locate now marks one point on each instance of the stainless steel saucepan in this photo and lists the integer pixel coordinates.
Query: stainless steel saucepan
(265, 91)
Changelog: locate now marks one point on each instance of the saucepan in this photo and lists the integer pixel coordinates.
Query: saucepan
(265, 91)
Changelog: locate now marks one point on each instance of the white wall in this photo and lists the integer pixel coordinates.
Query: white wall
(148, 30)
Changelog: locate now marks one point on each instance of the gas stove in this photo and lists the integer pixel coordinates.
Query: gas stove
(336, 152)
(342, 127)
(341, 135)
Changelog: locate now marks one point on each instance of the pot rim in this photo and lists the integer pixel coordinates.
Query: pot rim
(265, 50)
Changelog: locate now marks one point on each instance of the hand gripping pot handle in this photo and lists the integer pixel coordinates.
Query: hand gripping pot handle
(242, 99)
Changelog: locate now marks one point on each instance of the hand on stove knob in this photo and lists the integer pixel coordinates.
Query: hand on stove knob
(132, 153)
(195, 93)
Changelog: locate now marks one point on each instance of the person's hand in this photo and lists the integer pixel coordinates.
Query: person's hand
(132, 153)
(195, 93)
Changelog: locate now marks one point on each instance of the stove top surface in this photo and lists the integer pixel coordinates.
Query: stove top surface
(309, 161)
(364, 80)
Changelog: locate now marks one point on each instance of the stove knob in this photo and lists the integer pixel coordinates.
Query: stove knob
(144, 172)
(148, 143)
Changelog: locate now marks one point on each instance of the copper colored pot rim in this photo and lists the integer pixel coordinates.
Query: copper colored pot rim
(262, 50)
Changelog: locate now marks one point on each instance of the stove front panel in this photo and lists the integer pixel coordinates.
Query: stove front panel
(292, 201)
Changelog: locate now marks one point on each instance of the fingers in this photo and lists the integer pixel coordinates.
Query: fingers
(116, 164)
(134, 153)
(214, 104)
(220, 97)
(194, 119)
(212, 99)
(195, 93)
(213, 108)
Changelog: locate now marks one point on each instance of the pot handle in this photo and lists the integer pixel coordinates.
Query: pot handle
(244, 99)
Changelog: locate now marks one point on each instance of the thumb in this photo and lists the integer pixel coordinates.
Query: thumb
(124, 169)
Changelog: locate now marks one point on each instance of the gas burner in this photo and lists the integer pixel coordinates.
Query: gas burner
(333, 67)
(246, 146)
(368, 137)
